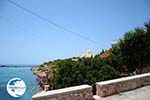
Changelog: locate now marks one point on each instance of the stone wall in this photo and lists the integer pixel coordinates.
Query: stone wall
(82, 92)
(110, 87)
(104, 88)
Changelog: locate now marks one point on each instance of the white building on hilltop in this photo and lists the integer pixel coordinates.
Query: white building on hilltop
(87, 54)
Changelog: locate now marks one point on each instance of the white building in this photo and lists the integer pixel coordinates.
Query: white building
(87, 54)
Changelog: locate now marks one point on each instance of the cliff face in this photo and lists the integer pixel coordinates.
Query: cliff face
(38, 71)
(44, 74)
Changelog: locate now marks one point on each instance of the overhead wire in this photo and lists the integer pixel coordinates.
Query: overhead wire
(53, 23)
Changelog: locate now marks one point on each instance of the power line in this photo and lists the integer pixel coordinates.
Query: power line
(52, 22)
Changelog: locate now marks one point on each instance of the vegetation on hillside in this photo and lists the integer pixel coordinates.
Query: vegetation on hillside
(84, 71)
(128, 56)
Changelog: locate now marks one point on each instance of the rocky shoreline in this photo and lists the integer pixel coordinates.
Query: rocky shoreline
(37, 71)
(42, 77)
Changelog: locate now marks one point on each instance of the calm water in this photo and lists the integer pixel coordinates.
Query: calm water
(6, 73)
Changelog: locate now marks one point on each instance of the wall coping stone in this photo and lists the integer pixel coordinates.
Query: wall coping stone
(122, 79)
(61, 91)
(110, 87)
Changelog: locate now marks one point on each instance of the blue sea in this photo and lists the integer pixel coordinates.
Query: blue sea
(25, 73)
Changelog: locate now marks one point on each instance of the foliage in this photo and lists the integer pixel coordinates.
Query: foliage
(131, 53)
(84, 71)
(133, 50)
(147, 27)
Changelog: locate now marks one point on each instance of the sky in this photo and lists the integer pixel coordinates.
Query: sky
(26, 39)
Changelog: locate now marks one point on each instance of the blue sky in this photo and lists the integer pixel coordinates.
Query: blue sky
(26, 39)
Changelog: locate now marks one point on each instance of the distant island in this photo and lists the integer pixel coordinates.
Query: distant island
(7, 66)
(17, 65)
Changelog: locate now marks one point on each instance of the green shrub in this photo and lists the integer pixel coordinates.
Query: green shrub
(84, 71)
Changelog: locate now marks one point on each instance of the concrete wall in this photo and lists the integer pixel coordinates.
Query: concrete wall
(110, 87)
(82, 92)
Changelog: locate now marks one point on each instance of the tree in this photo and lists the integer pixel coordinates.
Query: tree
(147, 27)
(133, 50)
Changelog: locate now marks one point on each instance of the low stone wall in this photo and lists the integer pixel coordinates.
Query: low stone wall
(82, 92)
(110, 87)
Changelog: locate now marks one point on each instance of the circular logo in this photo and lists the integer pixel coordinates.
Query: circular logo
(16, 87)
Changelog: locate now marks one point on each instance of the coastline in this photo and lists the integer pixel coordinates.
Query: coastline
(41, 77)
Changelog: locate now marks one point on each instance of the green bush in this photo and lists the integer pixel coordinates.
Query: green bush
(84, 71)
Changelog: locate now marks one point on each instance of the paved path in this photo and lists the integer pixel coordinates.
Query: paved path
(137, 94)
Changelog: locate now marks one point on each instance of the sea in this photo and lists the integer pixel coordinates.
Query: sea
(23, 72)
